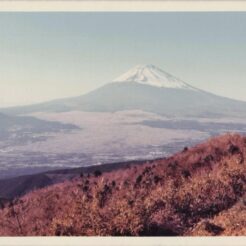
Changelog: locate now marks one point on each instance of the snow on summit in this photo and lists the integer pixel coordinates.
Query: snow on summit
(154, 76)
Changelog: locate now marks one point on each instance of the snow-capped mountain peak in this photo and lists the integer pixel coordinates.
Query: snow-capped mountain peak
(154, 76)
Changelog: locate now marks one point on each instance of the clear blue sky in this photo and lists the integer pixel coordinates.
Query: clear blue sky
(51, 55)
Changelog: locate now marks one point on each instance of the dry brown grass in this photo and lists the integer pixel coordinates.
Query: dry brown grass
(199, 191)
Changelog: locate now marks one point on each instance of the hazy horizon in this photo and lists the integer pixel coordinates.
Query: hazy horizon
(55, 55)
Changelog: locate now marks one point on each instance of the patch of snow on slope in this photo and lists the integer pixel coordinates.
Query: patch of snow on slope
(154, 76)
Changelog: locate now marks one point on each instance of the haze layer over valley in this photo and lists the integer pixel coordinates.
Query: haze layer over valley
(145, 113)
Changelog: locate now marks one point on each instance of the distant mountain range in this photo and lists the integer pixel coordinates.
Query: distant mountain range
(21, 128)
(147, 88)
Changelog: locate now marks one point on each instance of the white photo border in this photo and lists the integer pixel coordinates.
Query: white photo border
(121, 5)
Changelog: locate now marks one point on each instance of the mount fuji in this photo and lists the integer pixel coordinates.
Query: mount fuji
(146, 88)
(143, 114)
(154, 76)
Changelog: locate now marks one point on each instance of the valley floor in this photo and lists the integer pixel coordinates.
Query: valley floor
(105, 138)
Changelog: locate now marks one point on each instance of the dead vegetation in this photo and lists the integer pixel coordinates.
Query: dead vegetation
(199, 191)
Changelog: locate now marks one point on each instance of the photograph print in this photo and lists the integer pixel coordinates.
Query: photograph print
(122, 124)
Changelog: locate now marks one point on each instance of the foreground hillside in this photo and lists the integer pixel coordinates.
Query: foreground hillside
(199, 191)
(18, 186)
